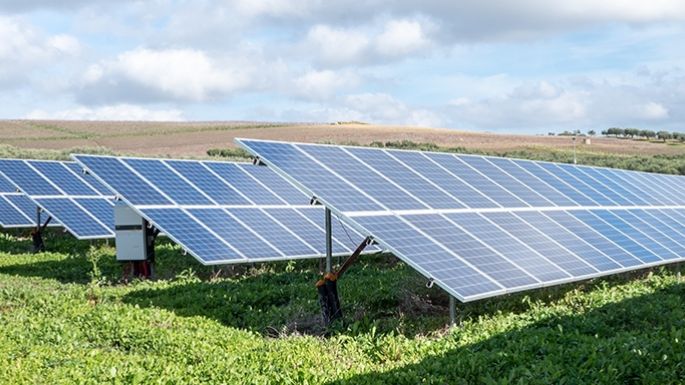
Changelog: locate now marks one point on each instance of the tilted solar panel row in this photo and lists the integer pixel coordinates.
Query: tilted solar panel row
(221, 212)
(483, 226)
(367, 179)
(79, 203)
(16, 210)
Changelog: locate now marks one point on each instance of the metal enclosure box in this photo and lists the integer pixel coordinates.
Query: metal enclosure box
(130, 234)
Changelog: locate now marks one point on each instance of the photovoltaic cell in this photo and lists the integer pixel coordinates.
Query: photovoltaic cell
(57, 189)
(481, 226)
(247, 211)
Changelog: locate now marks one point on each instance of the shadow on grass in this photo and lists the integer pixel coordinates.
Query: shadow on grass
(70, 262)
(375, 296)
(638, 340)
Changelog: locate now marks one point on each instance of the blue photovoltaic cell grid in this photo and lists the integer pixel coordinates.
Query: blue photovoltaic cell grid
(53, 186)
(242, 182)
(102, 209)
(284, 238)
(75, 167)
(310, 232)
(493, 225)
(170, 183)
(31, 183)
(212, 185)
(113, 172)
(11, 216)
(59, 175)
(472, 250)
(286, 191)
(23, 203)
(412, 181)
(364, 178)
(6, 186)
(478, 181)
(194, 237)
(75, 219)
(247, 209)
(294, 163)
(233, 232)
(438, 175)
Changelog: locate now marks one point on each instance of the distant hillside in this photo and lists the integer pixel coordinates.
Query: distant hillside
(195, 138)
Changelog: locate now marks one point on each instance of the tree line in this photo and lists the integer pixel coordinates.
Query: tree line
(645, 134)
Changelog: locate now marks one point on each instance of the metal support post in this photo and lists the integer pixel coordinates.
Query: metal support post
(37, 234)
(453, 311)
(329, 242)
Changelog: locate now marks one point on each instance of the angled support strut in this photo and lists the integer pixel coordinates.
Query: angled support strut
(37, 233)
(327, 286)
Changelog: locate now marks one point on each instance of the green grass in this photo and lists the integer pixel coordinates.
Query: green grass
(66, 319)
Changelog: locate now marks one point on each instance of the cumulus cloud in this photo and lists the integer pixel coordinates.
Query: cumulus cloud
(24, 49)
(401, 37)
(384, 108)
(321, 85)
(169, 74)
(642, 98)
(655, 111)
(394, 39)
(17, 6)
(120, 112)
(458, 21)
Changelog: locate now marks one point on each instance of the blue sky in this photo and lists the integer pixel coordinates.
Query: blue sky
(528, 66)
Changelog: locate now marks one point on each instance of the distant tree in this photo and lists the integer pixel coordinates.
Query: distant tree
(614, 131)
(664, 135)
(551, 134)
(592, 133)
(647, 134)
(633, 132)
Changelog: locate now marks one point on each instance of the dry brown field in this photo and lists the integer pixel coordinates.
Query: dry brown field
(195, 138)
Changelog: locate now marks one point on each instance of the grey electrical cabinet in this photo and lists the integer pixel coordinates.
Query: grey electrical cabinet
(131, 235)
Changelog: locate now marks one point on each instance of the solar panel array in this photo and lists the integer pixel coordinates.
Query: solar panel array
(221, 212)
(79, 203)
(482, 226)
(16, 210)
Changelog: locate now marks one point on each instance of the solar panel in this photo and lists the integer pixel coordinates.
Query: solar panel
(221, 212)
(16, 210)
(481, 226)
(60, 190)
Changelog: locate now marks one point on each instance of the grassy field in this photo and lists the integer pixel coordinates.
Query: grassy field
(65, 319)
(195, 138)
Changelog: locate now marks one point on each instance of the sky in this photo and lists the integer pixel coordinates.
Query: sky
(525, 66)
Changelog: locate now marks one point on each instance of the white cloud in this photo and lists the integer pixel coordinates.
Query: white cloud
(337, 46)
(654, 111)
(323, 84)
(170, 74)
(65, 44)
(640, 99)
(401, 37)
(25, 49)
(457, 21)
(384, 108)
(120, 112)
(372, 43)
